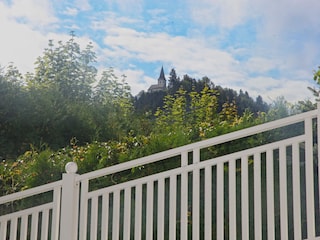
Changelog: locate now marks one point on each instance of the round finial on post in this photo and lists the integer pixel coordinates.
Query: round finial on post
(71, 167)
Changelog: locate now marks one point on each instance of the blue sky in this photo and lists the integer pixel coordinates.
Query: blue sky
(268, 48)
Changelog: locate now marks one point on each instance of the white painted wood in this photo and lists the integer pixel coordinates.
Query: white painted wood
(94, 218)
(232, 200)
(150, 192)
(202, 164)
(309, 179)
(44, 224)
(220, 201)
(184, 159)
(283, 192)
(13, 229)
(138, 212)
(195, 204)
(196, 155)
(184, 206)
(105, 216)
(56, 213)
(270, 194)
(83, 209)
(161, 209)
(257, 195)
(69, 207)
(244, 197)
(208, 203)
(29, 192)
(3, 229)
(24, 227)
(127, 214)
(116, 215)
(173, 207)
(296, 191)
(201, 144)
(34, 224)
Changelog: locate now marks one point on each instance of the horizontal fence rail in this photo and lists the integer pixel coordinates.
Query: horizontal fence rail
(31, 214)
(266, 190)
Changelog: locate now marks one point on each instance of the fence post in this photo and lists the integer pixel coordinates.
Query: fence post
(69, 203)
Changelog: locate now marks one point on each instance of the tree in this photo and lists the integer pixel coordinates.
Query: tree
(66, 68)
(13, 108)
(173, 85)
(113, 97)
(316, 78)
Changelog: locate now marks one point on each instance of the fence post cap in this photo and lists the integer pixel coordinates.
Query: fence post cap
(71, 167)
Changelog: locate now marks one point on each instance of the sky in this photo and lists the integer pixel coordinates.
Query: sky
(267, 48)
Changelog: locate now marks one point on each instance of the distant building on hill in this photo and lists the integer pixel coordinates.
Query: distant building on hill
(162, 83)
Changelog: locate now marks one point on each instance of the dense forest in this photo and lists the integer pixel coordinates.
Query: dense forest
(64, 112)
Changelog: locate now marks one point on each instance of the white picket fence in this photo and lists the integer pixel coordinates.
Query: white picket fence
(268, 191)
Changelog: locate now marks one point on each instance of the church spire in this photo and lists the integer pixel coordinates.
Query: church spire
(162, 74)
(162, 83)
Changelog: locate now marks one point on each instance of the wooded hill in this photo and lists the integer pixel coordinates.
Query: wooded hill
(151, 101)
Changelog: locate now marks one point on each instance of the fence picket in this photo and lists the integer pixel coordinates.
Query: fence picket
(173, 207)
(127, 213)
(184, 206)
(270, 194)
(208, 203)
(149, 209)
(116, 214)
(244, 197)
(220, 201)
(283, 192)
(296, 191)
(44, 224)
(3, 229)
(309, 179)
(138, 212)
(195, 204)
(24, 227)
(94, 218)
(161, 209)
(257, 196)
(232, 201)
(105, 216)
(13, 228)
(34, 225)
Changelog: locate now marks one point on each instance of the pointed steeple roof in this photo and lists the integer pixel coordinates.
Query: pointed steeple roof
(162, 74)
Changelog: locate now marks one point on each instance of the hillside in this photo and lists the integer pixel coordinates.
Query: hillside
(150, 101)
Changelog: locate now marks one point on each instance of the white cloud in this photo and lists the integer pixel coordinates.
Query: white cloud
(260, 65)
(129, 7)
(286, 41)
(71, 11)
(188, 56)
(36, 12)
(22, 42)
(83, 5)
(219, 13)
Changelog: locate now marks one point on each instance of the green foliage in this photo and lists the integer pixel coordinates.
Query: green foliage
(114, 99)
(67, 69)
(12, 176)
(58, 102)
(63, 113)
(151, 101)
(316, 78)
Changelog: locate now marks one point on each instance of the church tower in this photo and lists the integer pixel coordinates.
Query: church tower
(162, 83)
